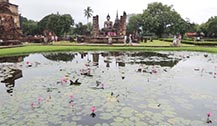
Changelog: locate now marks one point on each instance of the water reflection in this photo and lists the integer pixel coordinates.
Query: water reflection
(121, 59)
(118, 82)
(10, 81)
(59, 56)
(9, 72)
(13, 59)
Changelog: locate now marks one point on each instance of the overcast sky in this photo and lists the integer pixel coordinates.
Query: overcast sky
(197, 11)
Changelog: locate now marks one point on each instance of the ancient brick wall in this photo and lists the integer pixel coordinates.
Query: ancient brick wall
(123, 25)
(9, 21)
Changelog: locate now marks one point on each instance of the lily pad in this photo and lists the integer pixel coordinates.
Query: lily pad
(118, 119)
(169, 113)
(105, 116)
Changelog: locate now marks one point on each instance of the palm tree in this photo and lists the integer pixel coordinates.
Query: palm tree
(88, 13)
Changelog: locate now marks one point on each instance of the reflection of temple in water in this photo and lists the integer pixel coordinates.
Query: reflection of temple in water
(59, 56)
(13, 59)
(10, 81)
(96, 59)
(146, 58)
(13, 73)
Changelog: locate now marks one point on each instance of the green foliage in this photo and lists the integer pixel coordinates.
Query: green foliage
(162, 19)
(81, 29)
(59, 24)
(29, 27)
(134, 24)
(212, 27)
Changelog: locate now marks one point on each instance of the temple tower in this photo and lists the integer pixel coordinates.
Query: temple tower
(9, 21)
(96, 26)
(123, 25)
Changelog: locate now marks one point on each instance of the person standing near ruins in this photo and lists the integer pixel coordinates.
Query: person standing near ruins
(130, 39)
(174, 41)
(110, 40)
(125, 39)
(179, 40)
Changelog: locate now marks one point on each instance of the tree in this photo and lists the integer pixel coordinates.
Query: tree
(59, 24)
(211, 26)
(134, 24)
(29, 27)
(160, 19)
(80, 29)
(88, 13)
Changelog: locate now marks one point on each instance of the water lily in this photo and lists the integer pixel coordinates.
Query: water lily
(64, 80)
(32, 104)
(29, 64)
(93, 109)
(208, 114)
(208, 120)
(39, 99)
(71, 97)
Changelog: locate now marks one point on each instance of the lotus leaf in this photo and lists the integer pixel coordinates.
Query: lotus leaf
(105, 116)
(169, 113)
(118, 119)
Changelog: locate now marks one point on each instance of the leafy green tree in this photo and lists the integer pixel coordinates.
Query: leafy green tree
(134, 24)
(88, 13)
(59, 24)
(203, 28)
(211, 26)
(80, 29)
(160, 19)
(29, 27)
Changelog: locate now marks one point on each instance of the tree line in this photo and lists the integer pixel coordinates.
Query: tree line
(60, 25)
(158, 19)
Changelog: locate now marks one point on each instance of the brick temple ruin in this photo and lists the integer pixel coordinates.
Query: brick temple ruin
(117, 30)
(10, 30)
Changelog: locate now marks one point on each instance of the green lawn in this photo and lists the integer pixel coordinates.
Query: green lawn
(26, 49)
(160, 43)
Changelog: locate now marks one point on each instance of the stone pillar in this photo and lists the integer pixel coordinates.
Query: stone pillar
(95, 26)
(123, 25)
(124, 21)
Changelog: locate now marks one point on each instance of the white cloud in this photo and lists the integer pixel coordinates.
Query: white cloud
(197, 11)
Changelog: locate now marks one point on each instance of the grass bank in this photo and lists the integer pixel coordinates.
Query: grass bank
(54, 48)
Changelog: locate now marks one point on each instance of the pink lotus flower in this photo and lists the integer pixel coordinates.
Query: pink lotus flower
(64, 80)
(32, 104)
(209, 114)
(39, 99)
(93, 109)
(71, 97)
(154, 71)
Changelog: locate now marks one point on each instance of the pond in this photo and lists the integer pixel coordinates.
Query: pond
(109, 89)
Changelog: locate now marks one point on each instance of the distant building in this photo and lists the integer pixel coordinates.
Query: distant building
(110, 29)
(9, 21)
